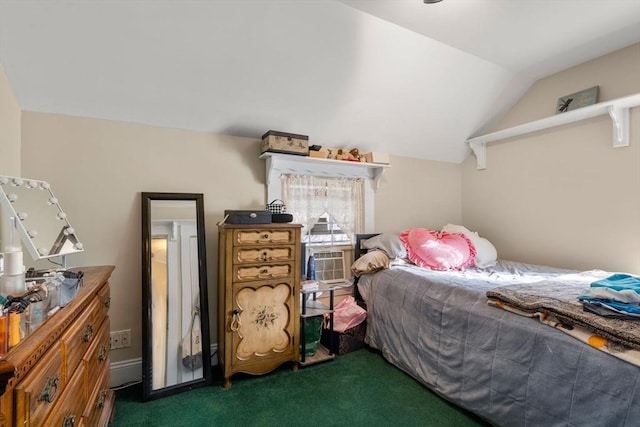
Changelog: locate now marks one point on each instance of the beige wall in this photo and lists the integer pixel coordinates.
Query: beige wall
(9, 140)
(418, 193)
(563, 196)
(98, 168)
(9, 129)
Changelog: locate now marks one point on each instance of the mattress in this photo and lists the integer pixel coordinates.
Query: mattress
(508, 369)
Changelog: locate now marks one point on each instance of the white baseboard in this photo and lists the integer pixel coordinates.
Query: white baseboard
(125, 372)
(130, 371)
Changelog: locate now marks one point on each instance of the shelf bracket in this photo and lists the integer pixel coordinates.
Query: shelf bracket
(480, 151)
(377, 175)
(620, 123)
(269, 169)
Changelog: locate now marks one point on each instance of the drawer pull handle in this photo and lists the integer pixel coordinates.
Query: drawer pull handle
(235, 321)
(69, 420)
(50, 389)
(88, 332)
(106, 301)
(265, 236)
(102, 355)
(264, 255)
(101, 398)
(264, 271)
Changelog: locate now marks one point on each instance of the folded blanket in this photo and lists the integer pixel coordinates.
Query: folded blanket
(560, 300)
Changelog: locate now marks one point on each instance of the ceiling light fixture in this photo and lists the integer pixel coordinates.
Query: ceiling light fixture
(431, 1)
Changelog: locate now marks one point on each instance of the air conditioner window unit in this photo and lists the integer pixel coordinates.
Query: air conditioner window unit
(330, 266)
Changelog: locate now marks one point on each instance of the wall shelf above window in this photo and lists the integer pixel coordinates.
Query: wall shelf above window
(278, 164)
(618, 110)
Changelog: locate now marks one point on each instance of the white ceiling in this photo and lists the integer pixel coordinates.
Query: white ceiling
(384, 75)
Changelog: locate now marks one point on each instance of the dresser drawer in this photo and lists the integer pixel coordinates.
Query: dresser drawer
(244, 255)
(264, 236)
(104, 296)
(36, 395)
(78, 338)
(262, 272)
(97, 356)
(69, 409)
(100, 397)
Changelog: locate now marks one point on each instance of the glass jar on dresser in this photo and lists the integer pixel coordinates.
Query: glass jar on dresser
(258, 297)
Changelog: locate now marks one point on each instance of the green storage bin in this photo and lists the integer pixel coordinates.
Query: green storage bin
(312, 332)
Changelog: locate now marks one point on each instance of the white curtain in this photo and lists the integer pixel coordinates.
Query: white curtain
(309, 197)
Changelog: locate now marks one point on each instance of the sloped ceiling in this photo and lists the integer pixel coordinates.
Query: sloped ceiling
(385, 75)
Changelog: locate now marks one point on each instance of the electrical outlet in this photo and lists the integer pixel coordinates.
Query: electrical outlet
(116, 340)
(125, 338)
(120, 339)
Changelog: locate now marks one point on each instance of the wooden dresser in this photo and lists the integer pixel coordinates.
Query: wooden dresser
(59, 375)
(258, 297)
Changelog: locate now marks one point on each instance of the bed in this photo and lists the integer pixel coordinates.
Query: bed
(508, 369)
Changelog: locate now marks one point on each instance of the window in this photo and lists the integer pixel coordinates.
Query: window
(326, 232)
(331, 210)
(278, 165)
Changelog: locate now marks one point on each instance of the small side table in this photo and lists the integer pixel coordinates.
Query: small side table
(314, 308)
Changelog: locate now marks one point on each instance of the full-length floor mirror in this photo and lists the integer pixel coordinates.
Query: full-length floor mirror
(175, 319)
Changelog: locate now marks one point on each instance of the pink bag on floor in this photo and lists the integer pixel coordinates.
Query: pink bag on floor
(347, 314)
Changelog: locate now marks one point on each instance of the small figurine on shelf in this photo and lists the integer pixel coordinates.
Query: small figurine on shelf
(353, 155)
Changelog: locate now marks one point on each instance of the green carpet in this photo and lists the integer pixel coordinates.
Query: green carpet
(356, 389)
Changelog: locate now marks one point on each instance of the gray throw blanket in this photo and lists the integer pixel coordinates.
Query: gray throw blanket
(560, 300)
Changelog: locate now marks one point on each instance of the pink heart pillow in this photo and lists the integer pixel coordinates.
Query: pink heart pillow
(438, 250)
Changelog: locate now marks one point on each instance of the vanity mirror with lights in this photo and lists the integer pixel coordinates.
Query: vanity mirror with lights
(34, 213)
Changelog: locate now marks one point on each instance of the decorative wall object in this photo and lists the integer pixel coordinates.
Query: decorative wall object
(577, 100)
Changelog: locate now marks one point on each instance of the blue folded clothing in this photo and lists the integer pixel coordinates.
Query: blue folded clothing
(614, 305)
(619, 282)
(618, 292)
(602, 309)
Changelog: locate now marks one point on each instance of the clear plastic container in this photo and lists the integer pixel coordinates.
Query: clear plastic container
(12, 284)
(53, 291)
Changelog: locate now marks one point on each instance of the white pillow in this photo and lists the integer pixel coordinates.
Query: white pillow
(486, 254)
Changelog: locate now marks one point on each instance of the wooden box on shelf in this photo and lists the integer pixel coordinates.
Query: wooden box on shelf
(283, 142)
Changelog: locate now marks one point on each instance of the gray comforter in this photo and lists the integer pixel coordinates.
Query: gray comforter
(508, 369)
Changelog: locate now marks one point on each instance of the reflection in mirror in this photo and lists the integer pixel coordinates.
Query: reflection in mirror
(35, 213)
(176, 353)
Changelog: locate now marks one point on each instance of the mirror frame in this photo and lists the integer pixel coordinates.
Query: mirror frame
(148, 393)
(46, 203)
